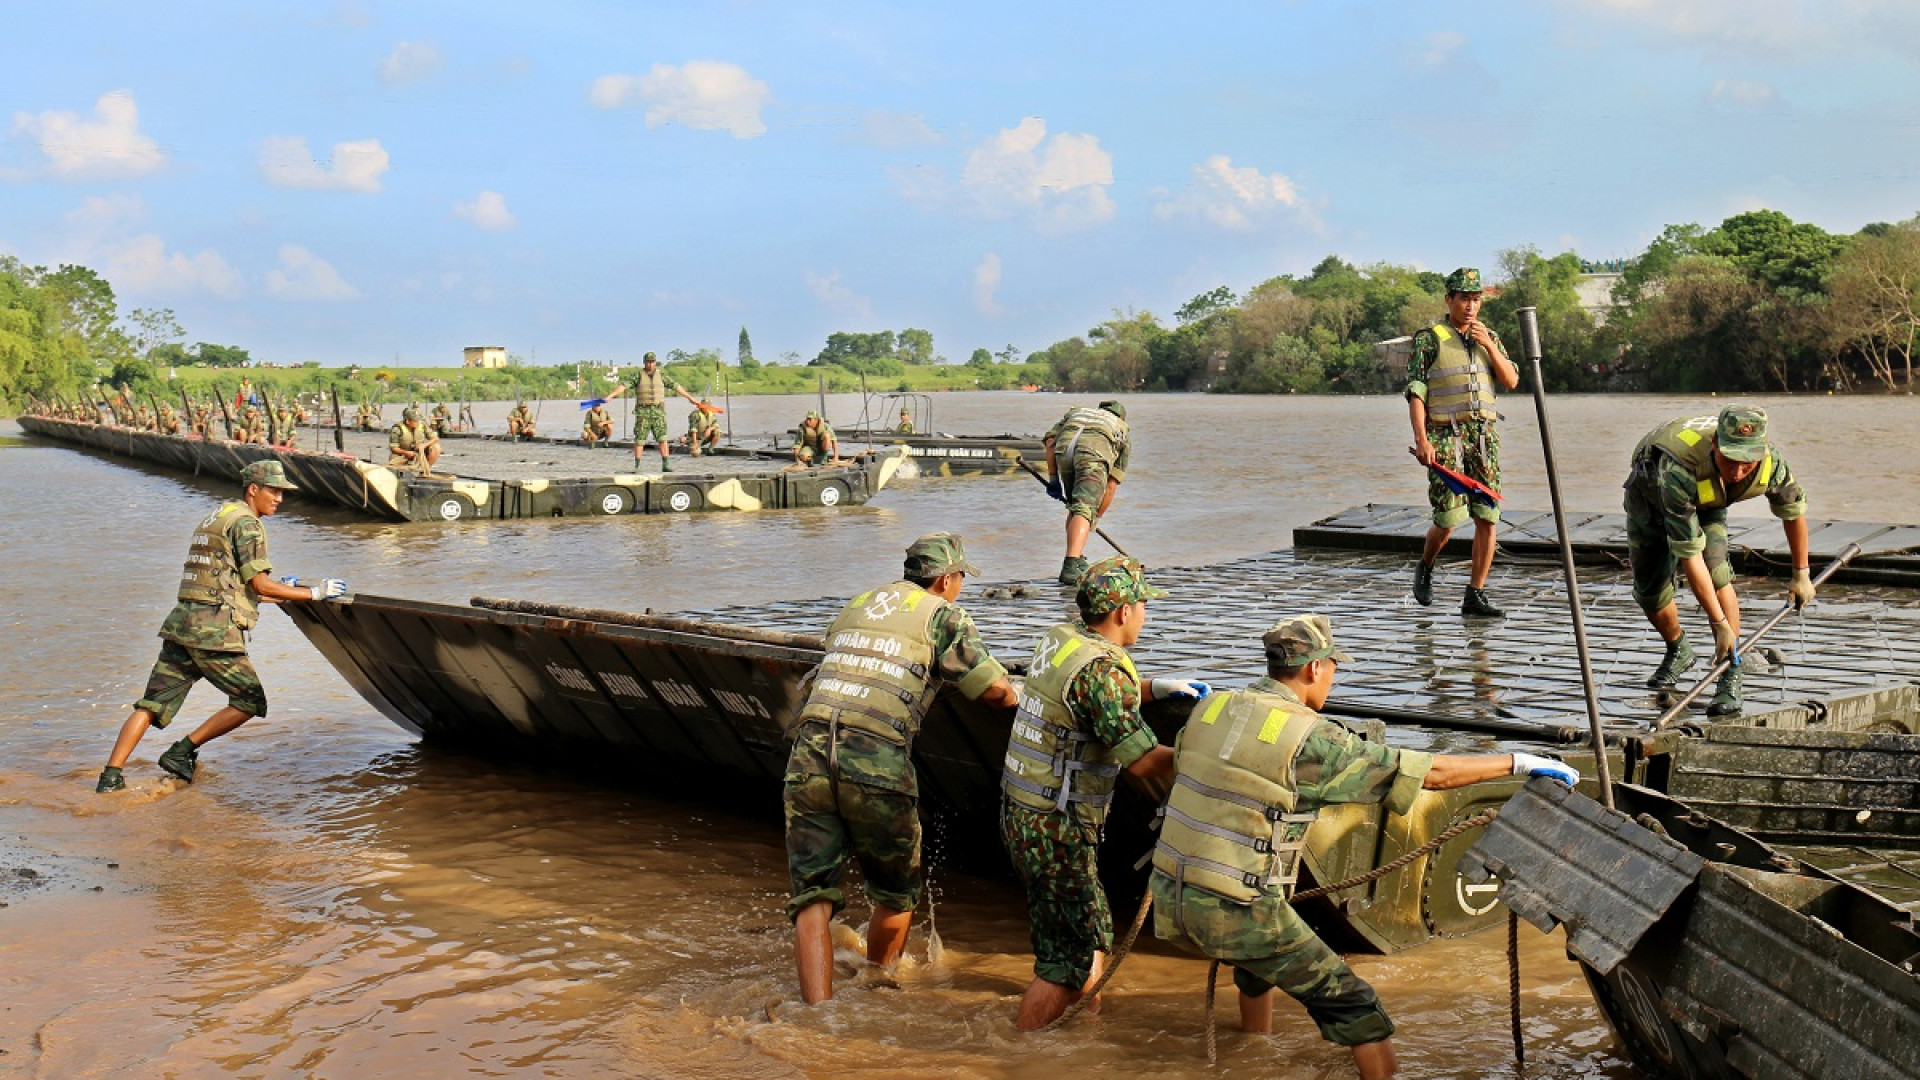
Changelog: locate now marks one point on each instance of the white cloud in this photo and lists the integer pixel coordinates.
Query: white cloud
(488, 211)
(705, 95)
(896, 130)
(107, 146)
(986, 285)
(1776, 28)
(1439, 48)
(302, 275)
(835, 295)
(286, 161)
(1744, 94)
(144, 265)
(1061, 180)
(1230, 196)
(410, 61)
(97, 214)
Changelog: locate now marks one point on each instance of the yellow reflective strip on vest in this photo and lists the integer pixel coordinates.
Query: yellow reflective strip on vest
(912, 601)
(1212, 712)
(1442, 331)
(861, 599)
(1066, 650)
(1766, 472)
(1276, 722)
(1707, 491)
(1688, 436)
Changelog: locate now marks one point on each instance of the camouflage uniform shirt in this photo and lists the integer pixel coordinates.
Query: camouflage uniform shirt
(1673, 492)
(1094, 441)
(1470, 446)
(960, 657)
(210, 627)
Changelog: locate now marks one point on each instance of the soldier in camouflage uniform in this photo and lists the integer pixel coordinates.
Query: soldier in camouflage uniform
(851, 790)
(442, 420)
(1077, 730)
(1686, 473)
(367, 416)
(597, 425)
(1450, 388)
(906, 423)
(520, 422)
(1090, 449)
(411, 444)
(227, 576)
(816, 444)
(703, 428)
(1253, 768)
(650, 389)
(169, 421)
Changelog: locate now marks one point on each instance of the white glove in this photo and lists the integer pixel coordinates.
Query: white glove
(1801, 588)
(1725, 640)
(330, 589)
(1535, 765)
(1192, 689)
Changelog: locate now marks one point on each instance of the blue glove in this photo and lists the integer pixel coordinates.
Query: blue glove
(1191, 689)
(1054, 489)
(289, 580)
(1535, 765)
(330, 589)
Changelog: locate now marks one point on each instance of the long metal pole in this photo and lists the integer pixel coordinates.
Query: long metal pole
(1530, 344)
(1742, 648)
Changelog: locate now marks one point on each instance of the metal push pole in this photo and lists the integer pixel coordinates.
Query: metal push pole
(1530, 344)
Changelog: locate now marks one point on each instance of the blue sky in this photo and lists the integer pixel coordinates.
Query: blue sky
(361, 181)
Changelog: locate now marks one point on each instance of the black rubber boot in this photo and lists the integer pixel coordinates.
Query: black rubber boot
(1675, 664)
(180, 759)
(1726, 695)
(666, 464)
(1423, 584)
(110, 780)
(1476, 606)
(1071, 568)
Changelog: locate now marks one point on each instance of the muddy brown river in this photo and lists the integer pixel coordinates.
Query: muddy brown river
(335, 900)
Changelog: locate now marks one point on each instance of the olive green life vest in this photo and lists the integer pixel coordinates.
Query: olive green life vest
(1459, 384)
(700, 421)
(1081, 420)
(650, 388)
(1229, 825)
(212, 574)
(1689, 441)
(1053, 764)
(877, 676)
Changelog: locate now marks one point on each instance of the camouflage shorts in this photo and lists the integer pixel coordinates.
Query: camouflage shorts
(179, 667)
(649, 425)
(1472, 449)
(1650, 552)
(1067, 915)
(880, 829)
(1269, 946)
(1086, 486)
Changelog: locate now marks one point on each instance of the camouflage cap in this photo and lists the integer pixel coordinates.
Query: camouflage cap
(1742, 434)
(410, 413)
(813, 414)
(1304, 638)
(937, 553)
(1115, 408)
(268, 473)
(1464, 280)
(650, 359)
(1114, 583)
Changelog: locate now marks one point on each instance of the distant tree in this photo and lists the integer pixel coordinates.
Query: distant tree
(154, 327)
(1792, 257)
(1204, 305)
(1010, 354)
(791, 358)
(221, 356)
(914, 347)
(1550, 287)
(746, 351)
(862, 354)
(1875, 307)
(981, 358)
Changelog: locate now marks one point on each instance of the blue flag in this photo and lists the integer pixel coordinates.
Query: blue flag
(591, 402)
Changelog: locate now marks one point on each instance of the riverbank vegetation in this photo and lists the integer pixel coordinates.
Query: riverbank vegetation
(1757, 303)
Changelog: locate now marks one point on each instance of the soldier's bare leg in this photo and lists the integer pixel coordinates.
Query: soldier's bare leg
(1436, 539)
(1044, 1001)
(1730, 604)
(1078, 529)
(1483, 533)
(130, 733)
(813, 951)
(218, 724)
(1376, 1060)
(433, 454)
(887, 935)
(1667, 622)
(1256, 1013)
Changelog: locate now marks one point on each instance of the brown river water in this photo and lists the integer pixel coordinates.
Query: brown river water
(333, 899)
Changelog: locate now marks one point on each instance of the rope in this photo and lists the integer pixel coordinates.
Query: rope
(1146, 905)
(1213, 977)
(1513, 991)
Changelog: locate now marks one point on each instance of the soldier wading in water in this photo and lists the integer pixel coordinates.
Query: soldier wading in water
(205, 636)
(851, 790)
(1252, 769)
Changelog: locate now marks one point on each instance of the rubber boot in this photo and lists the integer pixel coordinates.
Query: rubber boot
(180, 759)
(666, 464)
(1476, 606)
(1071, 569)
(110, 780)
(1675, 664)
(1423, 584)
(1726, 695)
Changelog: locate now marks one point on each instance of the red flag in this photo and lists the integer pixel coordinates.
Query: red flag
(1461, 484)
